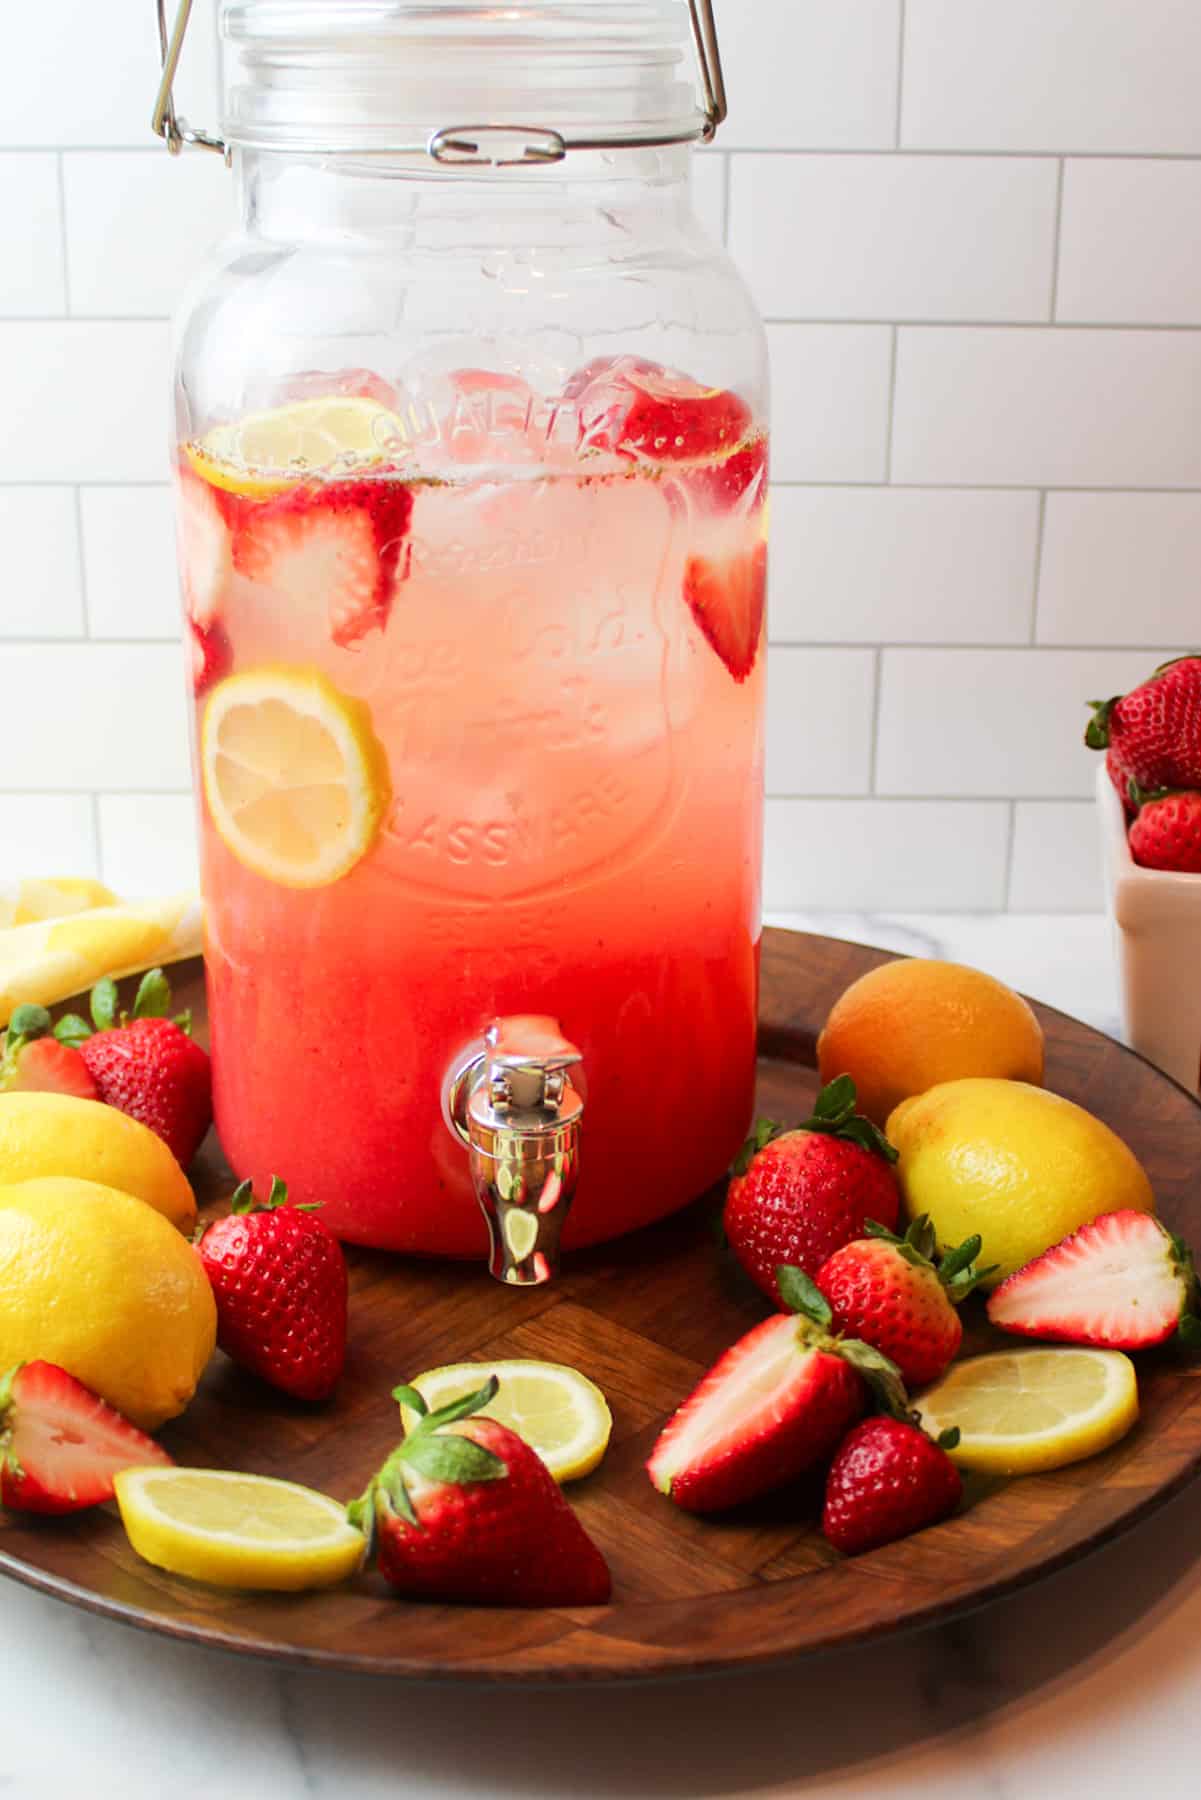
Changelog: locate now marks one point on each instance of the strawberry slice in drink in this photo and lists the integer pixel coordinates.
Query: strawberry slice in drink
(638, 409)
(728, 598)
(60, 1444)
(334, 546)
(205, 551)
(211, 655)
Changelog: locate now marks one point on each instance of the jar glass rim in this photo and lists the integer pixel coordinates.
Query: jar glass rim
(359, 73)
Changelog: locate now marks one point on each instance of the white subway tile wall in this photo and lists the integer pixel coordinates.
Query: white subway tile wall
(973, 228)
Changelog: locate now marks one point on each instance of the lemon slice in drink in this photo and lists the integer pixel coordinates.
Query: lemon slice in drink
(240, 1531)
(295, 778)
(263, 453)
(559, 1412)
(1022, 1411)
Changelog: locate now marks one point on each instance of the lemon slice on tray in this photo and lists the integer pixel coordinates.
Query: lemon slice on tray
(242, 1531)
(265, 452)
(559, 1412)
(294, 776)
(1023, 1411)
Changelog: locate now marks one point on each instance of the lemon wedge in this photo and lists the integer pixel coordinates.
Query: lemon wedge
(1023, 1411)
(263, 453)
(240, 1531)
(295, 778)
(559, 1412)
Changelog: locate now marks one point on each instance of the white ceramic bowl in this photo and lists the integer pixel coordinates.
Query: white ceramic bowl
(1157, 930)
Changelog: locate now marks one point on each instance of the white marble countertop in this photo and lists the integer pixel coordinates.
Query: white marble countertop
(1082, 1688)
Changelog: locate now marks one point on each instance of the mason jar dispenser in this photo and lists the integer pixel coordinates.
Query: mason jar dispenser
(471, 464)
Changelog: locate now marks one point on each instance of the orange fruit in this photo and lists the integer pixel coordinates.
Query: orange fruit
(912, 1023)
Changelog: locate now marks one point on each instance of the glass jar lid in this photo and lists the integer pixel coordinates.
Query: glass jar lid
(532, 79)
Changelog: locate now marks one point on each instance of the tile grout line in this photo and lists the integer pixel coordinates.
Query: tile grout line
(892, 404)
(1010, 837)
(81, 559)
(1039, 536)
(61, 181)
(97, 837)
(1057, 243)
(825, 797)
(1185, 328)
(900, 72)
(873, 745)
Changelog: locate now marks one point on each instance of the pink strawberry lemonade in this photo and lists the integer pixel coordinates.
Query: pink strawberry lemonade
(557, 632)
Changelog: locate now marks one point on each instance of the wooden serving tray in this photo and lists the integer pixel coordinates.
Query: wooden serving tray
(644, 1317)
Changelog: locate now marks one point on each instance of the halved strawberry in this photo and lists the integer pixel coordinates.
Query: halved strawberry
(1123, 1282)
(36, 1062)
(60, 1444)
(776, 1403)
(211, 655)
(638, 409)
(334, 545)
(770, 1408)
(728, 598)
(205, 551)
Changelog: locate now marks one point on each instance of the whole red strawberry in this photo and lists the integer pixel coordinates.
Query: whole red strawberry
(889, 1292)
(146, 1064)
(279, 1279)
(1166, 834)
(463, 1509)
(1154, 731)
(889, 1479)
(798, 1196)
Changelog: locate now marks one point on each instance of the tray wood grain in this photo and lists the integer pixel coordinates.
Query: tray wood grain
(643, 1317)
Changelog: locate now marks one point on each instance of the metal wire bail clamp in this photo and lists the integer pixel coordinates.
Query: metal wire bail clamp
(462, 144)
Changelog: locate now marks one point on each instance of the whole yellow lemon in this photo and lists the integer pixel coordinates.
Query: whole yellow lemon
(903, 1027)
(56, 1134)
(101, 1284)
(1021, 1166)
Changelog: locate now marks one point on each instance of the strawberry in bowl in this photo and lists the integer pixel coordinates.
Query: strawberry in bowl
(1149, 800)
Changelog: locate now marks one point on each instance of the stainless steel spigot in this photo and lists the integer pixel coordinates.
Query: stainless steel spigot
(513, 1104)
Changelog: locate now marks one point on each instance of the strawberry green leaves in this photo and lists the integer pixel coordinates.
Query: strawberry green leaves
(801, 1295)
(430, 1452)
(243, 1199)
(26, 1024)
(834, 1113)
(152, 1001)
(762, 1133)
(957, 1270)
